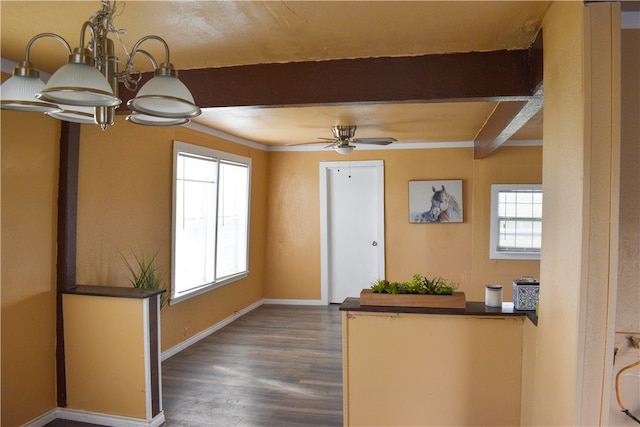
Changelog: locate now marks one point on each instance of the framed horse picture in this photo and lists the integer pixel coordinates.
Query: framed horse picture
(435, 201)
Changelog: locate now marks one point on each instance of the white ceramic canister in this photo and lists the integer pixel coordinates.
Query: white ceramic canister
(493, 296)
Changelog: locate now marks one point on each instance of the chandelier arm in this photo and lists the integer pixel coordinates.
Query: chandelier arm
(148, 55)
(127, 69)
(42, 35)
(125, 77)
(94, 34)
(150, 37)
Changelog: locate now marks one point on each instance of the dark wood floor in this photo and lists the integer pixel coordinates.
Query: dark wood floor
(275, 366)
(67, 423)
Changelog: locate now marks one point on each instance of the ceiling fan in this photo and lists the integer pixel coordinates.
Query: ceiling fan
(344, 139)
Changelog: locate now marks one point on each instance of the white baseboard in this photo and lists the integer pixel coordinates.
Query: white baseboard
(201, 335)
(295, 301)
(43, 419)
(94, 418)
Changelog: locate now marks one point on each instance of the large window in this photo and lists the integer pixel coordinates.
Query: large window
(516, 221)
(210, 219)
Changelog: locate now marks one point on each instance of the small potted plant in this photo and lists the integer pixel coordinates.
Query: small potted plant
(146, 275)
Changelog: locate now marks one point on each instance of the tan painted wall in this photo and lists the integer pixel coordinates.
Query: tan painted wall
(507, 165)
(444, 250)
(602, 192)
(580, 190)
(529, 352)
(102, 377)
(628, 311)
(628, 298)
(420, 369)
(293, 255)
(29, 215)
(124, 204)
(555, 386)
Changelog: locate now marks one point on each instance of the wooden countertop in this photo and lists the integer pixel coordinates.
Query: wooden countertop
(113, 291)
(474, 308)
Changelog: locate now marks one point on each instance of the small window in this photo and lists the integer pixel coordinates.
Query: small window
(210, 219)
(516, 221)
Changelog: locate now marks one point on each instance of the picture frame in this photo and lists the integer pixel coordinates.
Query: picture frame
(435, 201)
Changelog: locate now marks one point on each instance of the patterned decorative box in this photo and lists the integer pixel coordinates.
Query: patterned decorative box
(525, 293)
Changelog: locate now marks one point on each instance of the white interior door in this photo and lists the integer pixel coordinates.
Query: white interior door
(352, 227)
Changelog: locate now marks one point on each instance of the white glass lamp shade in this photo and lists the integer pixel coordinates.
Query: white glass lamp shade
(165, 96)
(79, 84)
(146, 119)
(19, 93)
(74, 113)
(344, 150)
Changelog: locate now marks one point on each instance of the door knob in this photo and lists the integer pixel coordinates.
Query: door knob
(374, 243)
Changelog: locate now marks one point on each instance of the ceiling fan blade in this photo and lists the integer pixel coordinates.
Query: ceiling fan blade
(304, 143)
(321, 141)
(376, 141)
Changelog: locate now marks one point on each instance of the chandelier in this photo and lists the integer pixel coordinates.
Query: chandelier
(85, 89)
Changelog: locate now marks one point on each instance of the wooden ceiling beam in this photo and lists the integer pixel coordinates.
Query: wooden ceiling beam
(502, 75)
(508, 118)
(511, 77)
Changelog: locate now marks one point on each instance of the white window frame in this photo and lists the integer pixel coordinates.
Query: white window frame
(220, 156)
(494, 252)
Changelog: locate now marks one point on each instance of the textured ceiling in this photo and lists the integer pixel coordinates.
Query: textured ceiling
(443, 122)
(203, 34)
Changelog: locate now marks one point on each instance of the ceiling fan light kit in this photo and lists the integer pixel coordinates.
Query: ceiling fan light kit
(85, 90)
(344, 150)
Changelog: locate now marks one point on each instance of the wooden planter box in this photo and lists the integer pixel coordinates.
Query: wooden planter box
(457, 300)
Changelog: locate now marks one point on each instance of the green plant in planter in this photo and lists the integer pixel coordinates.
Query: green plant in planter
(146, 275)
(440, 286)
(418, 285)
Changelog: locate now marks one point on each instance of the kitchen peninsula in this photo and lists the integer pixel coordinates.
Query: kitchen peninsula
(420, 366)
